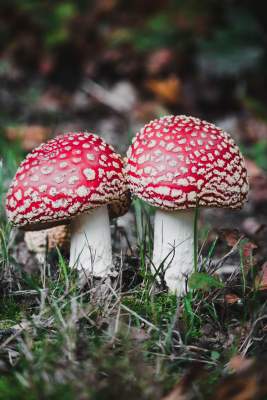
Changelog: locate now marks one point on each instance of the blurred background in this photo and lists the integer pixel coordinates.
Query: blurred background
(109, 66)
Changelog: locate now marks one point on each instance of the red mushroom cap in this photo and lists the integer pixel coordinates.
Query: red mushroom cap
(62, 178)
(179, 162)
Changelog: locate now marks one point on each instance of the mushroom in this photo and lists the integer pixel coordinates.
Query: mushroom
(72, 178)
(45, 240)
(177, 163)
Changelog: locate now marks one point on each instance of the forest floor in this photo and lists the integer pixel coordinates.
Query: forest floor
(129, 338)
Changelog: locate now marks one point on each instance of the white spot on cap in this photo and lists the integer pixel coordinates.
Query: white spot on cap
(82, 191)
(183, 182)
(89, 174)
(47, 170)
(42, 188)
(59, 179)
(90, 156)
(18, 195)
(34, 178)
(73, 179)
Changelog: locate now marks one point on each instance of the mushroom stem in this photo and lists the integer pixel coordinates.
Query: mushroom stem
(90, 249)
(174, 245)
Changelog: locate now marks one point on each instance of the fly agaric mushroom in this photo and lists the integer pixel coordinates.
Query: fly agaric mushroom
(72, 179)
(39, 242)
(176, 164)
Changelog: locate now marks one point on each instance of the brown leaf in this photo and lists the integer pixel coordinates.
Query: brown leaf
(231, 298)
(252, 168)
(239, 363)
(261, 278)
(248, 383)
(255, 129)
(247, 255)
(31, 136)
(183, 389)
(159, 60)
(176, 394)
(231, 236)
(168, 90)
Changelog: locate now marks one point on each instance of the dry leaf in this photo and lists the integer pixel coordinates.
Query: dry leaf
(239, 363)
(261, 278)
(168, 90)
(159, 61)
(231, 298)
(38, 241)
(252, 168)
(31, 136)
(231, 236)
(177, 394)
(248, 383)
(255, 129)
(183, 389)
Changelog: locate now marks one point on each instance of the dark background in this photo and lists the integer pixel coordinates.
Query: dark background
(110, 66)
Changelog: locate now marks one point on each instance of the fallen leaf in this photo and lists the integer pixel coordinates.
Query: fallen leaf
(261, 278)
(239, 363)
(251, 225)
(31, 136)
(232, 298)
(253, 169)
(247, 383)
(255, 129)
(159, 60)
(168, 90)
(231, 236)
(183, 389)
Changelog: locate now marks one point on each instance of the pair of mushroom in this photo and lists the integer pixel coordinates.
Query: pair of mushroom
(175, 164)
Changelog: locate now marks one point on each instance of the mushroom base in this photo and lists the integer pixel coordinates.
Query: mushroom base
(174, 247)
(90, 249)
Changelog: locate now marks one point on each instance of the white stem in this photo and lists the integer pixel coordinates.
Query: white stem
(174, 243)
(90, 249)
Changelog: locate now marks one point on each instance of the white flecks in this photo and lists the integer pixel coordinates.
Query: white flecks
(115, 164)
(191, 196)
(73, 179)
(42, 188)
(151, 144)
(47, 170)
(183, 182)
(177, 149)
(63, 164)
(200, 183)
(34, 178)
(90, 156)
(172, 163)
(59, 179)
(176, 193)
(182, 141)
(163, 190)
(53, 191)
(76, 160)
(210, 157)
(220, 162)
(89, 174)
(140, 150)
(170, 146)
(82, 191)
(184, 170)
(18, 195)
